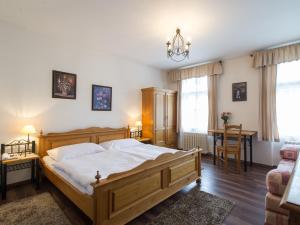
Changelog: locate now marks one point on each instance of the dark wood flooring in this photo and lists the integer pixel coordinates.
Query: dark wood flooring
(246, 190)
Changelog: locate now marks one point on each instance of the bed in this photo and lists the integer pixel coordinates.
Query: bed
(120, 197)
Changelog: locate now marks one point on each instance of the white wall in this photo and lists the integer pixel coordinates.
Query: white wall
(26, 63)
(247, 112)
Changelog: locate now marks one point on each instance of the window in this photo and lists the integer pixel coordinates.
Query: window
(287, 100)
(194, 105)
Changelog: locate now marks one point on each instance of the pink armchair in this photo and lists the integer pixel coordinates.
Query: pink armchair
(276, 181)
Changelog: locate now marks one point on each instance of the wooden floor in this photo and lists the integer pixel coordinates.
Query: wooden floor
(246, 190)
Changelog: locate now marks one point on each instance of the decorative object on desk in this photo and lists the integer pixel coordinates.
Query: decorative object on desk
(28, 129)
(5, 156)
(63, 85)
(101, 98)
(225, 117)
(239, 91)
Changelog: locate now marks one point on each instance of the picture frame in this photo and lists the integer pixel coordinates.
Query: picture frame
(239, 91)
(101, 98)
(64, 85)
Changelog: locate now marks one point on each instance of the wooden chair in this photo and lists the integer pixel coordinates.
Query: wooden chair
(233, 132)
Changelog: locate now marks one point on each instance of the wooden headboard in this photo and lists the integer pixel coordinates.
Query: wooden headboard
(93, 134)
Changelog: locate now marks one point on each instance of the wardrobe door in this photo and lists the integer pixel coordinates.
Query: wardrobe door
(171, 119)
(160, 112)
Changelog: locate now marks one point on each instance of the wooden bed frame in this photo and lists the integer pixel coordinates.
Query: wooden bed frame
(123, 196)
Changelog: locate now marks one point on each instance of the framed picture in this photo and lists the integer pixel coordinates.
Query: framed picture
(63, 85)
(239, 91)
(101, 98)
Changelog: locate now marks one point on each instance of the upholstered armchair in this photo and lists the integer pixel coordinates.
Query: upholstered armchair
(277, 180)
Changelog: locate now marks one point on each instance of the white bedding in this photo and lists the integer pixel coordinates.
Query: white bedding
(146, 151)
(82, 170)
(86, 190)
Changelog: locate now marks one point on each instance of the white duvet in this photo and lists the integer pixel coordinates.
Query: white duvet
(147, 152)
(83, 169)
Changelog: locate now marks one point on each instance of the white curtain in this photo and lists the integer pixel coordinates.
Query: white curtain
(194, 105)
(179, 114)
(194, 113)
(268, 130)
(212, 87)
(287, 101)
(196, 88)
(274, 101)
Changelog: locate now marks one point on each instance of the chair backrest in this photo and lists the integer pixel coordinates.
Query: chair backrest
(235, 132)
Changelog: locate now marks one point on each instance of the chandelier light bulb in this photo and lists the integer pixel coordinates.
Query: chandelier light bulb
(169, 45)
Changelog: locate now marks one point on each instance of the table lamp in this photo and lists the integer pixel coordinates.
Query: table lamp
(28, 129)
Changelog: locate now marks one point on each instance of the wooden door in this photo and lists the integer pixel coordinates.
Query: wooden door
(160, 113)
(171, 119)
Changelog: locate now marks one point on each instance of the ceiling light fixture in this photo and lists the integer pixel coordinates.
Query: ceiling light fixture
(178, 50)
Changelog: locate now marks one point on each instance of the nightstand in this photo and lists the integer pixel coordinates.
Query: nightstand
(17, 163)
(22, 156)
(144, 140)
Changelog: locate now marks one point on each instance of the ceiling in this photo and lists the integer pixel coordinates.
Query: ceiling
(138, 29)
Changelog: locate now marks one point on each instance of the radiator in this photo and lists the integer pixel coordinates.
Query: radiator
(194, 140)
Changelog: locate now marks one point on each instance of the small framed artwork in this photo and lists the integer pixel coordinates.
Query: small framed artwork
(101, 98)
(63, 85)
(239, 91)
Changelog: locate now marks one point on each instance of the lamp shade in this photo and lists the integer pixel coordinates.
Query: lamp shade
(138, 123)
(28, 129)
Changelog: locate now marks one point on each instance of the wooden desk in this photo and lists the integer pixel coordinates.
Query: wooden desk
(247, 136)
(35, 169)
(291, 196)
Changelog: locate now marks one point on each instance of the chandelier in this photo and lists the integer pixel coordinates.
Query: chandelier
(177, 49)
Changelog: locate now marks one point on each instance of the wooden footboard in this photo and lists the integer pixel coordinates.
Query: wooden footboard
(122, 197)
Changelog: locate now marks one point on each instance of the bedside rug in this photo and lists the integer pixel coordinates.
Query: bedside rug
(194, 208)
(36, 210)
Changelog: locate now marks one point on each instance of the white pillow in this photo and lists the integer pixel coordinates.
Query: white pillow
(73, 151)
(121, 143)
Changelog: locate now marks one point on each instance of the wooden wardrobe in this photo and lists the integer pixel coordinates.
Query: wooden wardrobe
(159, 116)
